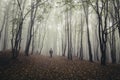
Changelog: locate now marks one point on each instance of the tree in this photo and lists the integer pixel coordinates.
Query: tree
(102, 32)
(17, 42)
(4, 27)
(81, 42)
(86, 11)
(32, 19)
(69, 31)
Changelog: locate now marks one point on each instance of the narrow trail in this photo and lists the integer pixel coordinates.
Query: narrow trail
(57, 68)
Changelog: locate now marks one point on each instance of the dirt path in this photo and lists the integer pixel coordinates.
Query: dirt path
(57, 68)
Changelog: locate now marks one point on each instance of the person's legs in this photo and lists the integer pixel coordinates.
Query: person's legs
(50, 55)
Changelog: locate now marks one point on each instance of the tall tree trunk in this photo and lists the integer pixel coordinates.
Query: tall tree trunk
(86, 11)
(32, 18)
(81, 42)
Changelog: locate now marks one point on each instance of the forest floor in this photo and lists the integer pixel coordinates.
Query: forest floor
(56, 68)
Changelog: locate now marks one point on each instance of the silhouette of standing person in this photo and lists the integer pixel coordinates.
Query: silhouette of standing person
(51, 52)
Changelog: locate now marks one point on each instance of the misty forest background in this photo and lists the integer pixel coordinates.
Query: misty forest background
(83, 34)
(88, 29)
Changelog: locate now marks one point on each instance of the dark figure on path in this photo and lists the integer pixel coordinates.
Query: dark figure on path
(51, 52)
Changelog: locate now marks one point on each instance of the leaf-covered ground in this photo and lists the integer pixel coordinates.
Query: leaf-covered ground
(56, 68)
